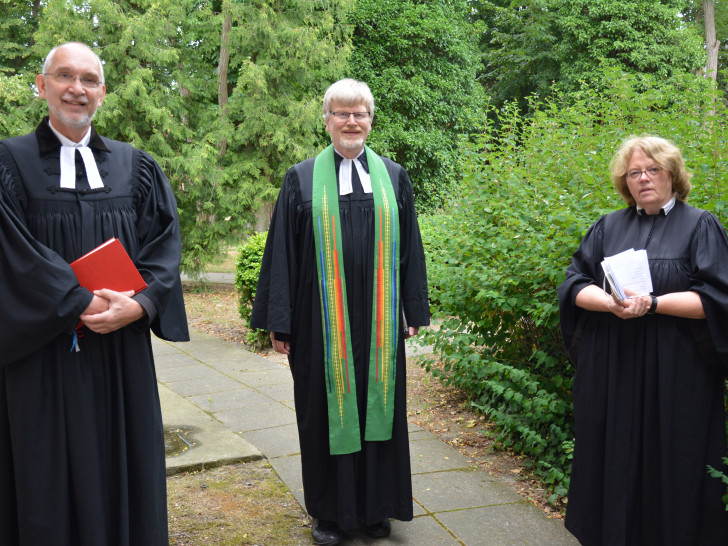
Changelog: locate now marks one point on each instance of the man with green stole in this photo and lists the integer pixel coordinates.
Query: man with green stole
(342, 285)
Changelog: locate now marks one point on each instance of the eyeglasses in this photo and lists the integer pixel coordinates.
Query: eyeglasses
(344, 116)
(636, 174)
(66, 78)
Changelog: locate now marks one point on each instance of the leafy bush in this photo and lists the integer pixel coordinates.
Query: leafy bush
(722, 476)
(433, 228)
(247, 270)
(426, 97)
(531, 187)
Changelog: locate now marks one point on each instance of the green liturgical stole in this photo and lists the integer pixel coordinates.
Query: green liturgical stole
(344, 430)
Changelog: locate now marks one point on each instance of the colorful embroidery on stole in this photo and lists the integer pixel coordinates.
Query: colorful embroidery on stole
(344, 431)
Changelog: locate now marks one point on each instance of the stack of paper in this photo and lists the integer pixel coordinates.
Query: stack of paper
(628, 271)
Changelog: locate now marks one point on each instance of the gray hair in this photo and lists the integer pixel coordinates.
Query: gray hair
(348, 92)
(49, 58)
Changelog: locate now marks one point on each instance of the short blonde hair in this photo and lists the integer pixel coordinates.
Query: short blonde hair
(348, 92)
(663, 152)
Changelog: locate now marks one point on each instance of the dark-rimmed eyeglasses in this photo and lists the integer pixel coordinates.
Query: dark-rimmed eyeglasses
(636, 174)
(66, 78)
(344, 116)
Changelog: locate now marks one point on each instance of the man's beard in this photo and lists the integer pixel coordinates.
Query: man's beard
(357, 144)
(74, 122)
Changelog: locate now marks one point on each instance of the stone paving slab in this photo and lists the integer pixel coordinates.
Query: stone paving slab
(173, 360)
(416, 433)
(234, 399)
(433, 455)
(506, 525)
(275, 442)
(281, 392)
(458, 489)
(264, 416)
(238, 365)
(211, 352)
(217, 387)
(211, 382)
(215, 443)
(271, 376)
(196, 370)
(214, 278)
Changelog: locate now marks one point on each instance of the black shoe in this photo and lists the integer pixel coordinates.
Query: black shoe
(326, 532)
(378, 530)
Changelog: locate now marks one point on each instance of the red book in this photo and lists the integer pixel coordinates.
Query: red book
(108, 266)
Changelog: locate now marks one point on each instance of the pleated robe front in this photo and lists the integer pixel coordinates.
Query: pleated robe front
(82, 459)
(648, 392)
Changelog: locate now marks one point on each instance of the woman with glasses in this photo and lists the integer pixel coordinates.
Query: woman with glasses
(648, 389)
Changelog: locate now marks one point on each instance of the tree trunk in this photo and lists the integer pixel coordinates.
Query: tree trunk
(222, 69)
(711, 42)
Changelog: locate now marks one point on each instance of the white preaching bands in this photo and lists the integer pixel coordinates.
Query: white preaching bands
(345, 176)
(68, 161)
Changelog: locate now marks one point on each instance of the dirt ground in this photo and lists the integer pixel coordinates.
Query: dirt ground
(242, 503)
(441, 410)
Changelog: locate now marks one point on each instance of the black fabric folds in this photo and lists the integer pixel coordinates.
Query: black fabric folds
(373, 484)
(648, 392)
(81, 445)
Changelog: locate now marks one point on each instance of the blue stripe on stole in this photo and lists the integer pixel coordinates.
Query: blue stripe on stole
(325, 305)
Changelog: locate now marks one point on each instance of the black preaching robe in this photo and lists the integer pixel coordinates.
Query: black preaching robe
(375, 483)
(81, 444)
(648, 392)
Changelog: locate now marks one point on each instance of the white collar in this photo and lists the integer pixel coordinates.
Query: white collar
(666, 208)
(65, 141)
(68, 160)
(345, 186)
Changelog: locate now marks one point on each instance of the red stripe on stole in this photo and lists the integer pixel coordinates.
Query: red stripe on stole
(340, 305)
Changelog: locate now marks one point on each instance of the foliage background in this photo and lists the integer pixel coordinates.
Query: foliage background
(420, 60)
(165, 88)
(247, 270)
(532, 185)
(226, 94)
(531, 45)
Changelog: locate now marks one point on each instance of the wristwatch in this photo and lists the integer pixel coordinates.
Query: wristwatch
(653, 307)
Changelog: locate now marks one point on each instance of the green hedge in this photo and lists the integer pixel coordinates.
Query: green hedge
(531, 187)
(247, 270)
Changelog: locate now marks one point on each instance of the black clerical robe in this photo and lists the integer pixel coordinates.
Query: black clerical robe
(648, 392)
(375, 483)
(81, 444)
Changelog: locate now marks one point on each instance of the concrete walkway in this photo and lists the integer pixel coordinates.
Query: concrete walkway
(238, 406)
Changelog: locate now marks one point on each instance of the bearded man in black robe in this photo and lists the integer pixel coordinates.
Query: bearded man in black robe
(81, 444)
(341, 286)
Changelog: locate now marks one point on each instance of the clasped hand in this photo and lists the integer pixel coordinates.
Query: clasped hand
(110, 310)
(631, 307)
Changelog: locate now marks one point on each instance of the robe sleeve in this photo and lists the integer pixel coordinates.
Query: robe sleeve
(273, 306)
(413, 271)
(40, 295)
(709, 278)
(159, 250)
(584, 270)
